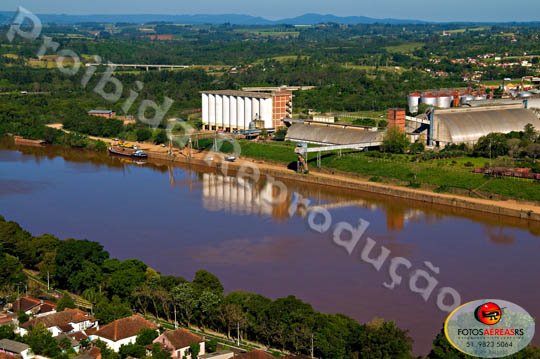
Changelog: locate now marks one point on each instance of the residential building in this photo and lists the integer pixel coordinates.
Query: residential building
(122, 331)
(33, 306)
(13, 348)
(222, 354)
(178, 342)
(68, 321)
(254, 354)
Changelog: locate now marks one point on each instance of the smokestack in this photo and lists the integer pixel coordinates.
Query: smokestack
(396, 118)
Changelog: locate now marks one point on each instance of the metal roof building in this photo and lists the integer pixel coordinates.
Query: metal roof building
(467, 125)
(332, 135)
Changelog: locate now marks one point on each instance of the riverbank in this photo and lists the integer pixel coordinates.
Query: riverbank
(527, 211)
(510, 208)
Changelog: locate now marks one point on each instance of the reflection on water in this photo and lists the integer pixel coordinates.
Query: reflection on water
(181, 219)
(238, 196)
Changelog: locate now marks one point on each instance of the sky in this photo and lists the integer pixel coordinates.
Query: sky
(433, 10)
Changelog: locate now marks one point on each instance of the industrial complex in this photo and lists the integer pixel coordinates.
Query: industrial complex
(450, 117)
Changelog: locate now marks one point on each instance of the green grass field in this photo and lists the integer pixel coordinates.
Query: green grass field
(405, 48)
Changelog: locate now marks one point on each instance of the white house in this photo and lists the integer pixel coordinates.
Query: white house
(67, 321)
(121, 332)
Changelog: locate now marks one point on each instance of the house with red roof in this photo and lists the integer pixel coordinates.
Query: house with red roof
(121, 332)
(68, 321)
(254, 354)
(178, 342)
(33, 306)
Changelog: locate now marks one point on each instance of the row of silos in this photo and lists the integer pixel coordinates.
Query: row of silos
(441, 99)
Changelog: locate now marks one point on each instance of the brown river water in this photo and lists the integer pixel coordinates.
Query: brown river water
(181, 219)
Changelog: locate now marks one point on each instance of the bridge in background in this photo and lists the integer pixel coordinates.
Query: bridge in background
(141, 66)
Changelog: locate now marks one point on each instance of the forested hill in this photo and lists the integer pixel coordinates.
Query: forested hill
(235, 19)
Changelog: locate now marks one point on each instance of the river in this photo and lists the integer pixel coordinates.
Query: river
(181, 219)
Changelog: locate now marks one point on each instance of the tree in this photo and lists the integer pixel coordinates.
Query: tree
(417, 147)
(65, 302)
(194, 350)
(146, 336)
(107, 312)
(492, 145)
(380, 339)
(529, 133)
(158, 353)
(42, 342)
(209, 302)
(123, 277)
(143, 134)
(22, 317)
(72, 256)
(185, 297)
(89, 276)
(10, 270)
(233, 316)
(280, 134)
(395, 141)
(442, 349)
(132, 350)
(106, 352)
(160, 137)
(533, 150)
(7, 332)
(206, 280)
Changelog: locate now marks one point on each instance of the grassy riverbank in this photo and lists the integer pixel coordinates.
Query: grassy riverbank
(442, 175)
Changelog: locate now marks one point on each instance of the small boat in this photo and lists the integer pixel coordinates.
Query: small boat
(127, 152)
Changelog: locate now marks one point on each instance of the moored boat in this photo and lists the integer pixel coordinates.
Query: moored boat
(127, 152)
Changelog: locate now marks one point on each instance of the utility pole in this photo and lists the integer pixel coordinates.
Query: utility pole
(175, 322)
(238, 333)
(312, 346)
(48, 282)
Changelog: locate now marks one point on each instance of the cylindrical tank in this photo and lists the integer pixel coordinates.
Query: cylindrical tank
(413, 100)
(444, 101)
(524, 94)
(429, 99)
(465, 99)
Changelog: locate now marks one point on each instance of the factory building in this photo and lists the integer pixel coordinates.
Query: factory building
(230, 110)
(442, 127)
(467, 125)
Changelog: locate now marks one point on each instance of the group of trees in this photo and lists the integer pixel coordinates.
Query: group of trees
(524, 144)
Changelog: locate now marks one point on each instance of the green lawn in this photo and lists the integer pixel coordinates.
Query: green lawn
(439, 175)
(405, 48)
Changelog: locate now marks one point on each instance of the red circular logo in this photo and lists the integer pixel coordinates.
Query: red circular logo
(488, 314)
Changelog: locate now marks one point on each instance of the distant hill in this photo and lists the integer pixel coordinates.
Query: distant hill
(313, 19)
(307, 19)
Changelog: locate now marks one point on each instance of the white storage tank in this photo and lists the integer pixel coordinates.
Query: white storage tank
(429, 99)
(465, 99)
(413, 100)
(444, 101)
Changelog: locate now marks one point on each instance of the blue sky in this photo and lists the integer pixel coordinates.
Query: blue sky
(436, 10)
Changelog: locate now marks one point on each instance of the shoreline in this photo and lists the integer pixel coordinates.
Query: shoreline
(508, 208)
